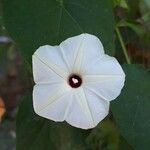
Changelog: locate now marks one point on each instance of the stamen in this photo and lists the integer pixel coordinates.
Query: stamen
(75, 80)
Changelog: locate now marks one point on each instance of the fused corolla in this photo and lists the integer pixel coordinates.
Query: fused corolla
(75, 81)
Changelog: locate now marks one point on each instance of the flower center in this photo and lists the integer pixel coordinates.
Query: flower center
(75, 80)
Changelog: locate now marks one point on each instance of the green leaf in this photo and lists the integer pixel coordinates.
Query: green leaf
(132, 108)
(123, 145)
(136, 27)
(144, 6)
(104, 137)
(121, 3)
(35, 23)
(37, 133)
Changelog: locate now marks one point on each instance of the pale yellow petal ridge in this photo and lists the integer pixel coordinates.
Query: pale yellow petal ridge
(82, 100)
(68, 108)
(101, 78)
(99, 95)
(64, 58)
(79, 56)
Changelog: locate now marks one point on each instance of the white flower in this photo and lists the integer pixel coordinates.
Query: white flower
(75, 81)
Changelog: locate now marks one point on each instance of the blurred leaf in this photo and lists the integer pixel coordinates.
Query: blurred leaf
(146, 17)
(145, 12)
(132, 108)
(134, 9)
(137, 28)
(35, 23)
(121, 3)
(147, 3)
(104, 137)
(145, 6)
(36, 133)
(7, 135)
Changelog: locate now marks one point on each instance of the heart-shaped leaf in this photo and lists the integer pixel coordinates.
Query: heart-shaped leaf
(34, 23)
(132, 108)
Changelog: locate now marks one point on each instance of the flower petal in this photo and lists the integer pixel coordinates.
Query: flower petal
(105, 77)
(76, 115)
(70, 49)
(84, 46)
(98, 107)
(52, 58)
(86, 110)
(106, 65)
(44, 95)
(43, 74)
(58, 109)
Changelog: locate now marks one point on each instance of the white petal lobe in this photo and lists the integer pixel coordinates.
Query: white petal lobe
(105, 77)
(98, 107)
(45, 95)
(106, 65)
(82, 100)
(43, 74)
(85, 45)
(50, 56)
(76, 115)
(69, 49)
(58, 109)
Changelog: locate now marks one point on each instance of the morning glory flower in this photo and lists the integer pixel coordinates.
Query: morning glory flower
(75, 81)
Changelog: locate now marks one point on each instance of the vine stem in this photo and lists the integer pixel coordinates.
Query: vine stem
(123, 45)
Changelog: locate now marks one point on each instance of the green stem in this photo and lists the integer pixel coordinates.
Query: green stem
(123, 45)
